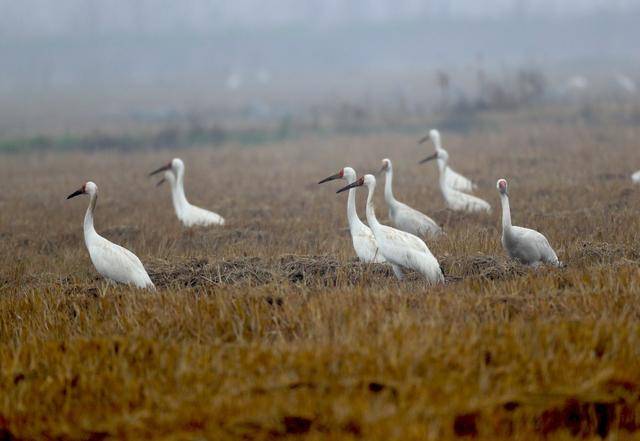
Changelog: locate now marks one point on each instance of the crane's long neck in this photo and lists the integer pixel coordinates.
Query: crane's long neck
(175, 196)
(506, 212)
(352, 214)
(388, 187)
(442, 164)
(89, 230)
(180, 196)
(371, 214)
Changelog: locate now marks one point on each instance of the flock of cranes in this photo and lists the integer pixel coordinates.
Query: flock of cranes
(401, 246)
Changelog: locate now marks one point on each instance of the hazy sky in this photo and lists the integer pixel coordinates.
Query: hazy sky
(63, 17)
(64, 60)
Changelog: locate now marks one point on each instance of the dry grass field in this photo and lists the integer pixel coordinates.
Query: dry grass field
(269, 329)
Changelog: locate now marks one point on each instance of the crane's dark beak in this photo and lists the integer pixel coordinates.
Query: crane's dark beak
(161, 169)
(160, 182)
(423, 139)
(354, 184)
(331, 178)
(76, 193)
(429, 158)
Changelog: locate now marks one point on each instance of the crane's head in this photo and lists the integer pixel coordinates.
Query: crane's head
(338, 175)
(439, 154)
(175, 165)
(386, 165)
(502, 186)
(168, 176)
(433, 136)
(367, 180)
(88, 188)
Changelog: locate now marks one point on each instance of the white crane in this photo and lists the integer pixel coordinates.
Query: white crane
(636, 177)
(189, 215)
(452, 178)
(399, 248)
(362, 237)
(523, 244)
(456, 200)
(112, 261)
(404, 217)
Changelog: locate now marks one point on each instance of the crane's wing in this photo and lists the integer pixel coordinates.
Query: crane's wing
(458, 181)
(539, 242)
(117, 263)
(474, 203)
(400, 240)
(412, 220)
(200, 216)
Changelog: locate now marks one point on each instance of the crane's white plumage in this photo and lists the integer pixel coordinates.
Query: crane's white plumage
(452, 178)
(636, 177)
(523, 244)
(404, 217)
(112, 261)
(188, 214)
(456, 200)
(364, 243)
(399, 248)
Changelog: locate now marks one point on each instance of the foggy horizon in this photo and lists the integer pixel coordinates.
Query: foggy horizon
(99, 57)
(40, 18)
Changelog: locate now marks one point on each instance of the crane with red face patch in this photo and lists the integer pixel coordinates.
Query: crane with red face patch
(112, 261)
(364, 243)
(523, 244)
(399, 248)
(188, 214)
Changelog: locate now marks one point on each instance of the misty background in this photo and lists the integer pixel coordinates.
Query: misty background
(73, 66)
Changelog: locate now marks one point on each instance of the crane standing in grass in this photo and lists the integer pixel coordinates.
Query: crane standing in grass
(456, 200)
(364, 243)
(112, 261)
(189, 214)
(399, 248)
(404, 217)
(523, 244)
(452, 178)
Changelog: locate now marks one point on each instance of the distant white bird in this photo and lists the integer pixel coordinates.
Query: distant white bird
(636, 177)
(189, 215)
(523, 244)
(577, 83)
(404, 217)
(452, 178)
(456, 200)
(362, 237)
(626, 83)
(399, 248)
(110, 260)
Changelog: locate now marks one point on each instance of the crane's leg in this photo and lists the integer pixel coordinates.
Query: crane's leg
(397, 271)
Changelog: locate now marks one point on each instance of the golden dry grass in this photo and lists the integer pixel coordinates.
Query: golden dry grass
(268, 328)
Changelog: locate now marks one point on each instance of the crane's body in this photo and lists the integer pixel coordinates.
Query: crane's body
(112, 261)
(452, 178)
(364, 243)
(454, 199)
(403, 216)
(399, 248)
(527, 246)
(188, 214)
(636, 177)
